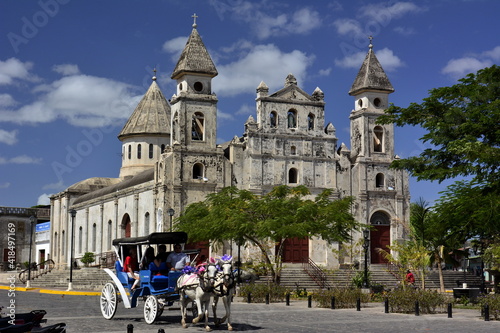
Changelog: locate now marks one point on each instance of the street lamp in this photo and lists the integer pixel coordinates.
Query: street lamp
(171, 213)
(366, 245)
(32, 222)
(73, 214)
(478, 250)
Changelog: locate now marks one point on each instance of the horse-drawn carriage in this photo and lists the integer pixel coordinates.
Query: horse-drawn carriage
(157, 291)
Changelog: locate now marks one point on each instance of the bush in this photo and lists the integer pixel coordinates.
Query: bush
(259, 291)
(493, 301)
(344, 297)
(88, 258)
(402, 300)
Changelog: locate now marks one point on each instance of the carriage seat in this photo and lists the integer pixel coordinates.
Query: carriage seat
(122, 276)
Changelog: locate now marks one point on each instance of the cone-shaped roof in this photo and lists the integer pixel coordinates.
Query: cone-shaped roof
(371, 76)
(194, 58)
(150, 117)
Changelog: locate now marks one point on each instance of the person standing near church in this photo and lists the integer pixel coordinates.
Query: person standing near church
(177, 259)
(410, 278)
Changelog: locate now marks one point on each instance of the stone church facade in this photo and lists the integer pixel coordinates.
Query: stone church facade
(170, 159)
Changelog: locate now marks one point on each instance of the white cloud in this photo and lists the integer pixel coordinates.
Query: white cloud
(385, 56)
(266, 22)
(44, 199)
(21, 159)
(493, 54)
(246, 109)
(59, 186)
(404, 31)
(175, 46)
(263, 63)
(6, 100)
(66, 69)
(14, 69)
(224, 115)
(7, 137)
(81, 100)
(383, 13)
(5, 185)
(325, 72)
(458, 68)
(348, 26)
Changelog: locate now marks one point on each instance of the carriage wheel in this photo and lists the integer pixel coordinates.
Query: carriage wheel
(108, 300)
(151, 309)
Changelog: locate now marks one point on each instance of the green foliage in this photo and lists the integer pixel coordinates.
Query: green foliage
(462, 126)
(266, 221)
(493, 301)
(344, 297)
(402, 300)
(88, 258)
(259, 291)
(358, 279)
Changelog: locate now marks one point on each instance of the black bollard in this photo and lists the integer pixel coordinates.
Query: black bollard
(486, 312)
(417, 308)
(333, 303)
(287, 298)
(386, 305)
(130, 328)
(249, 298)
(309, 301)
(358, 304)
(450, 315)
(267, 298)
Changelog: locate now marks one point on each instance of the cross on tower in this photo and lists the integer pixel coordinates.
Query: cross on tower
(194, 16)
(370, 38)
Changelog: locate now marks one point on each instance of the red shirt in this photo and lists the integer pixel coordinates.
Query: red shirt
(130, 262)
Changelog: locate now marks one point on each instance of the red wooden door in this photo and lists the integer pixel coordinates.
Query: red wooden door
(295, 250)
(380, 238)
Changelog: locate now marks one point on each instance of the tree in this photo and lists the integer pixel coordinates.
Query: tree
(462, 124)
(270, 219)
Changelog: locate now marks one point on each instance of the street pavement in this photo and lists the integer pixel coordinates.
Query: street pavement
(81, 313)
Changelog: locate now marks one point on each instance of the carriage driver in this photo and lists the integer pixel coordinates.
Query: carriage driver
(177, 259)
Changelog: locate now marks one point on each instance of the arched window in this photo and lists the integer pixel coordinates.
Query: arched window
(198, 171)
(63, 244)
(198, 126)
(293, 150)
(377, 102)
(292, 119)
(146, 224)
(310, 122)
(379, 180)
(273, 119)
(293, 176)
(139, 151)
(162, 149)
(56, 247)
(151, 150)
(378, 139)
(380, 218)
(110, 234)
(94, 237)
(80, 240)
(129, 152)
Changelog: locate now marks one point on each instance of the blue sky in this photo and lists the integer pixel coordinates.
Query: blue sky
(71, 72)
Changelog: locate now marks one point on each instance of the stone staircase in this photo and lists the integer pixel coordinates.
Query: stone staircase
(294, 277)
(91, 279)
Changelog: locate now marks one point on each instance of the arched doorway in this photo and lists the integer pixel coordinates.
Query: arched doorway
(380, 237)
(126, 229)
(295, 250)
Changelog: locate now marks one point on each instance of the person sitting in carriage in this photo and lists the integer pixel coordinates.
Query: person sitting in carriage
(147, 258)
(177, 260)
(130, 266)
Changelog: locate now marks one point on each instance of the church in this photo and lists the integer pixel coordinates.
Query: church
(170, 159)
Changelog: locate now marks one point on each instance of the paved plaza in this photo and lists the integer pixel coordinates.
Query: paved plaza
(81, 313)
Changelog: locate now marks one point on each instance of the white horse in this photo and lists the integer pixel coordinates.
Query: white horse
(224, 288)
(197, 288)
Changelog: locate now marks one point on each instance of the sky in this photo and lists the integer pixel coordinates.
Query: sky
(72, 72)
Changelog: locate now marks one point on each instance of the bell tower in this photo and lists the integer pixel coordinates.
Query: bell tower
(194, 106)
